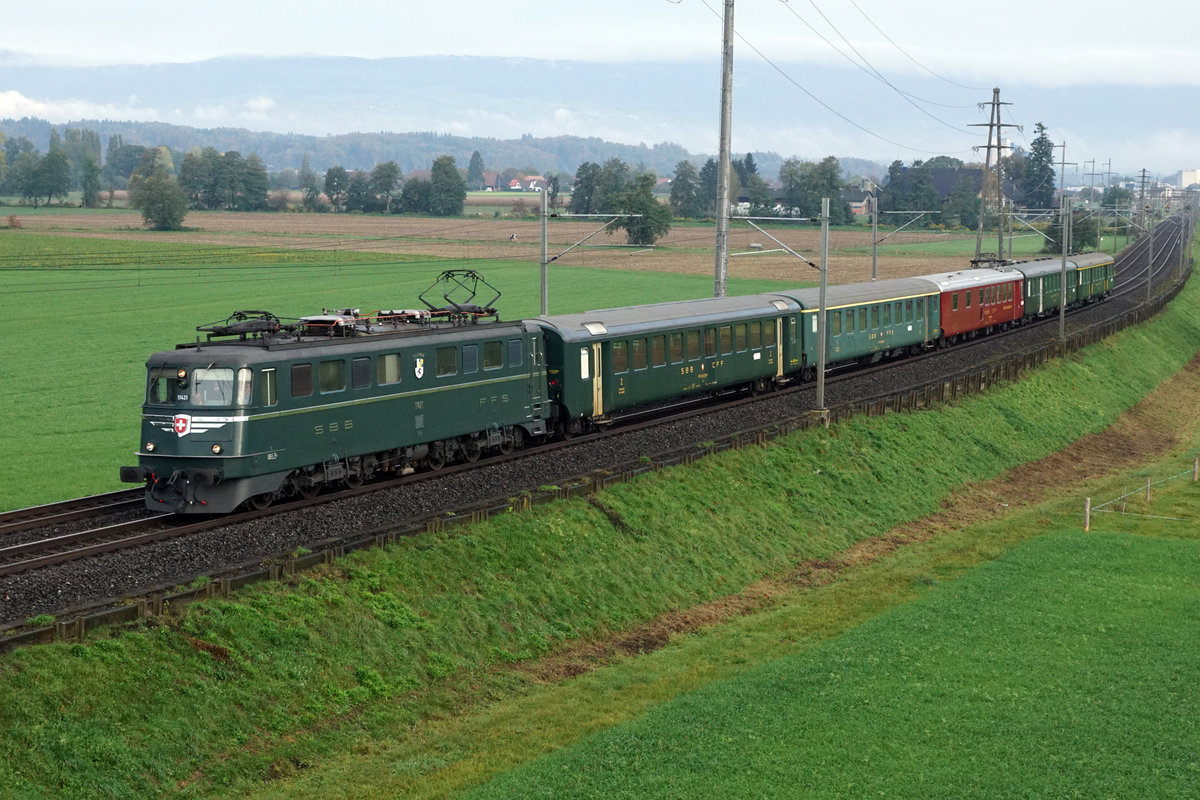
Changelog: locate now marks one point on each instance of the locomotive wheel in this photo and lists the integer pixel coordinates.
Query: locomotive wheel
(436, 459)
(309, 490)
(260, 501)
(354, 480)
(471, 450)
(511, 441)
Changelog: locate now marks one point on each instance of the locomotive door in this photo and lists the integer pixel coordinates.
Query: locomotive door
(597, 382)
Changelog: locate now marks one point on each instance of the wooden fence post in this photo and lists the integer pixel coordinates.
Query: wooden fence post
(1147, 490)
(1087, 515)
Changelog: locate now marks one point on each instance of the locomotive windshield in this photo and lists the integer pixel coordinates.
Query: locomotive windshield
(203, 387)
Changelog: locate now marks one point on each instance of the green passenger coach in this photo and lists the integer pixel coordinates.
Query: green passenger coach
(601, 363)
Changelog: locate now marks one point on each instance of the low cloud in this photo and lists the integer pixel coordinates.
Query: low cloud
(15, 105)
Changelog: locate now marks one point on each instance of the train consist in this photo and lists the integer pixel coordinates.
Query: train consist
(262, 409)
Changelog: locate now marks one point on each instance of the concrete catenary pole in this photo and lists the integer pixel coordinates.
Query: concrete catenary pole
(721, 257)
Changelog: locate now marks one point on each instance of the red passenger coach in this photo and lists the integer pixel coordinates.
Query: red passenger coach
(978, 300)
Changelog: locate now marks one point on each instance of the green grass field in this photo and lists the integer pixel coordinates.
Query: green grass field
(85, 314)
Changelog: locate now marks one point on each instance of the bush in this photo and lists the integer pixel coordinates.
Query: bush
(162, 200)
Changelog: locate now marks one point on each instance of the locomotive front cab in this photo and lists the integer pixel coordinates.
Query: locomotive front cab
(192, 422)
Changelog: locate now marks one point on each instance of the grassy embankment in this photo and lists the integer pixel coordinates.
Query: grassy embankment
(423, 667)
(84, 314)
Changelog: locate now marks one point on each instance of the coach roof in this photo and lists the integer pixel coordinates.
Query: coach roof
(666, 316)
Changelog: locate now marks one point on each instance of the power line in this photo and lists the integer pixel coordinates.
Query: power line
(910, 58)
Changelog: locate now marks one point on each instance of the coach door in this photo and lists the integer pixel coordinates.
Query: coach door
(597, 382)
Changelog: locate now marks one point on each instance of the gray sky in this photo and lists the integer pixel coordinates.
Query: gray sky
(1028, 44)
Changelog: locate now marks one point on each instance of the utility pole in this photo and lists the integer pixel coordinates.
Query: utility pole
(821, 311)
(721, 258)
(545, 254)
(993, 122)
(1062, 292)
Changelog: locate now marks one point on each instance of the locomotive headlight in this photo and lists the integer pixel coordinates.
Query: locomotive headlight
(181, 374)
(149, 447)
(216, 448)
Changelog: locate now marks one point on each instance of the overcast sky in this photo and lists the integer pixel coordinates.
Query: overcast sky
(968, 46)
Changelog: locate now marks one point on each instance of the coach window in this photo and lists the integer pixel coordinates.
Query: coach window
(874, 316)
(887, 314)
(693, 345)
(387, 369)
(792, 328)
(968, 298)
(360, 373)
(739, 337)
(954, 302)
(332, 376)
(267, 394)
(862, 319)
(756, 335)
(710, 342)
(639, 353)
(493, 355)
(835, 323)
(920, 308)
(514, 352)
(620, 356)
(726, 339)
(470, 358)
(302, 384)
(850, 320)
(908, 311)
(658, 351)
(769, 333)
(676, 348)
(447, 361)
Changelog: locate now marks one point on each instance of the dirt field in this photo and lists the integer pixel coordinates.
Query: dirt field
(687, 249)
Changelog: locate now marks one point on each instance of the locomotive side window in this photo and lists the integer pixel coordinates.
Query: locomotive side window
(267, 394)
(243, 386)
(639, 353)
(620, 357)
(302, 384)
(693, 345)
(447, 361)
(493, 355)
(160, 390)
(658, 351)
(360, 373)
(470, 358)
(332, 376)
(676, 348)
(387, 369)
(212, 387)
(514, 352)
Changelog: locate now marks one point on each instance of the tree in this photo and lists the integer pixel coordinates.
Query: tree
(448, 190)
(612, 185)
(359, 196)
(655, 219)
(22, 176)
(553, 190)
(310, 185)
(414, 197)
(708, 188)
(52, 178)
(582, 196)
(337, 180)
(385, 179)
(1116, 197)
(89, 181)
(475, 171)
(255, 184)
(1037, 186)
(685, 191)
(163, 202)
(962, 206)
